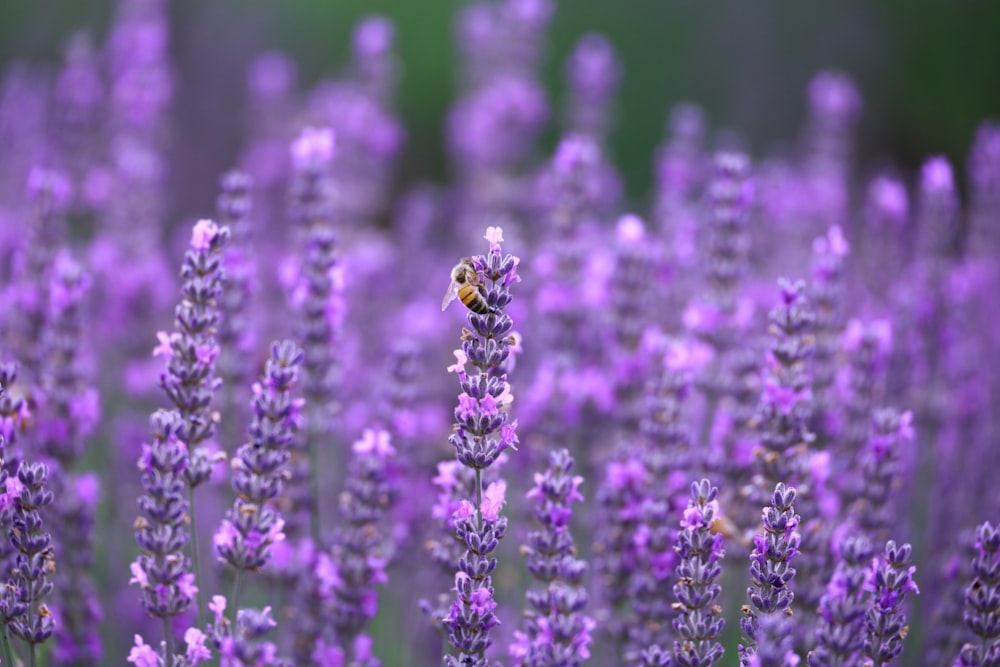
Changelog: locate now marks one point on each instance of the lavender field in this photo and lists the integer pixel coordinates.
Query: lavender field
(357, 415)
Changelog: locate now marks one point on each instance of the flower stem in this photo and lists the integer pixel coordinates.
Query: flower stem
(8, 657)
(196, 563)
(168, 638)
(237, 589)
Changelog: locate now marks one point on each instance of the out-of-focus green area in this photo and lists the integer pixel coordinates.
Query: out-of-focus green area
(928, 70)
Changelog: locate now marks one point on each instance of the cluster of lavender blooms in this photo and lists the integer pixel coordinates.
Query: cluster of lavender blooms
(766, 401)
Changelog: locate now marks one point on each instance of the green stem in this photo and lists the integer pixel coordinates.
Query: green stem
(479, 518)
(8, 657)
(195, 561)
(314, 522)
(237, 580)
(31, 655)
(168, 638)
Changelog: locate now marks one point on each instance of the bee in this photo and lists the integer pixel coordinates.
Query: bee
(465, 285)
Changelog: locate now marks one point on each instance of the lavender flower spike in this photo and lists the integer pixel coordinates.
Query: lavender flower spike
(557, 632)
(162, 571)
(890, 579)
(482, 432)
(700, 551)
(253, 524)
(35, 560)
(982, 602)
(362, 549)
(770, 566)
(191, 349)
(840, 631)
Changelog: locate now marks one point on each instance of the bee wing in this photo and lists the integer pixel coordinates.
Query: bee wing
(450, 295)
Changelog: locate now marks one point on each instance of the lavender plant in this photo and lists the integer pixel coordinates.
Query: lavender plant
(254, 524)
(556, 628)
(771, 572)
(483, 431)
(982, 599)
(700, 553)
(190, 352)
(890, 579)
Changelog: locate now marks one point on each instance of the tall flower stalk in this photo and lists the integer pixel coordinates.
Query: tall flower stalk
(982, 602)
(483, 430)
(253, 524)
(162, 570)
(771, 571)
(190, 351)
(556, 629)
(700, 553)
(890, 579)
(318, 295)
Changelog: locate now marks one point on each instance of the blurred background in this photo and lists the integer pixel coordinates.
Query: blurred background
(927, 70)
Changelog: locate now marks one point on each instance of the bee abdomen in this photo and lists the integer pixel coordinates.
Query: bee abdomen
(473, 300)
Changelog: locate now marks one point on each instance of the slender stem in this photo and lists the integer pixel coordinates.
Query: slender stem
(479, 498)
(168, 638)
(314, 522)
(237, 589)
(31, 655)
(195, 561)
(8, 657)
(479, 517)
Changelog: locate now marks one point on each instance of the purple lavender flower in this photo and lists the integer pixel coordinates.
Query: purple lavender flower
(786, 402)
(890, 579)
(840, 631)
(162, 571)
(700, 553)
(191, 350)
(78, 610)
(373, 64)
(938, 210)
(318, 297)
(982, 600)
(593, 71)
(240, 644)
(984, 174)
(235, 330)
(867, 345)
(253, 524)
(362, 547)
(70, 408)
(556, 630)
(25, 614)
(49, 192)
(874, 511)
(771, 572)
(829, 253)
(834, 104)
(726, 249)
(483, 431)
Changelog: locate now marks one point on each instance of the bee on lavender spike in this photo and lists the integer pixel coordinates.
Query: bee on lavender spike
(465, 285)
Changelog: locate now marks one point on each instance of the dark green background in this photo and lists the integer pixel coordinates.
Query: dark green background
(929, 70)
